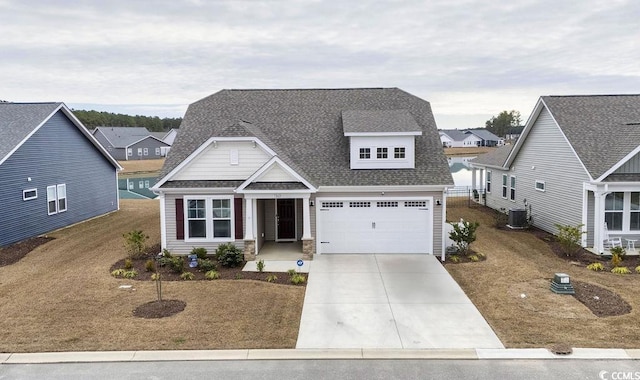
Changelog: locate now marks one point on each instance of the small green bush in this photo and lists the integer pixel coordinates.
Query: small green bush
(150, 266)
(474, 258)
(274, 278)
(212, 275)
(463, 234)
(228, 255)
(118, 272)
(128, 264)
(206, 265)
(638, 269)
(155, 277)
(130, 274)
(569, 238)
(260, 266)
(596, 267)
(298, 279)
(454, 258)
(620, 270)
(176, 264)
(166, 253)
(238, 276)
(187, 276)
(291, 272)
(135, 243)
(200, 252)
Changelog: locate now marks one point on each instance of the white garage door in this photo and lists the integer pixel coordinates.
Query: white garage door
(375, 226)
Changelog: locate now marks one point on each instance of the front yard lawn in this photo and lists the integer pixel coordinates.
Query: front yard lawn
(61, 297)
(511, 290)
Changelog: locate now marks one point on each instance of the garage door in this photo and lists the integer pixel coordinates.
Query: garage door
(375, 226)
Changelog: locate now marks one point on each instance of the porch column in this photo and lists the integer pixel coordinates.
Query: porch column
(598, 221)
(473, 179)
(306, 219)
(248, 219)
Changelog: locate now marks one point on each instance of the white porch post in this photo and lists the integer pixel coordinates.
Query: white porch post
(481, 184)
(473, 179)
(306, 218)
(248, 219)
(598, 221)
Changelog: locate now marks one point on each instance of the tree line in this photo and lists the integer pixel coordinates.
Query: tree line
(500, 125)
(92, 119)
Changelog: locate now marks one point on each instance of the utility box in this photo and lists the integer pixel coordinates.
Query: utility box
(517, 218)
(561, 284)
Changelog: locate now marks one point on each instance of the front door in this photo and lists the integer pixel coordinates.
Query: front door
(285, 219)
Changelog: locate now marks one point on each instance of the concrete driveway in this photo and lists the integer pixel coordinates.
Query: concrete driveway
(388, 301)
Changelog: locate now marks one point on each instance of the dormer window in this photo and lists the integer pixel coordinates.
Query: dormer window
(381, 153)
(398, 153)
(365, 153)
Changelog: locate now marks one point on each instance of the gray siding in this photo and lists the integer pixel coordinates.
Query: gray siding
(547, 156)
(117, 153)
(150, 144)
(631, 166)
(58, 153)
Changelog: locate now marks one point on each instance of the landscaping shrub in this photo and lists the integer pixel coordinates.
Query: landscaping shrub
(201, 253)
(128, 264)
(205, 265)
(620, 270)
(212, 275)
(596, 267)
(274, 278)
(130, 274)
(501, 218)
(118, 272)
(260, 266)
(176, 264)
(135, 243)
(569, 238)
(617, 255)
(150, 266)
(187, 276)
(454, 258)
(298, 279)
(638, 269)
(463, 234)
(228, 255)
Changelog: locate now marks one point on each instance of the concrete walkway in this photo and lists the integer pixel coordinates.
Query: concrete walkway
(388, 302)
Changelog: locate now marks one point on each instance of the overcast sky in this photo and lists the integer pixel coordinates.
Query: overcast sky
(470, 59)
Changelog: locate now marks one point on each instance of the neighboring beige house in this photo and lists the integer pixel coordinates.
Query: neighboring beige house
(330, 171)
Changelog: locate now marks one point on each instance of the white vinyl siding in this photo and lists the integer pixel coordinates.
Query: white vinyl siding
(512, 188)
(276, 174)
(382, 152)
(213, 162)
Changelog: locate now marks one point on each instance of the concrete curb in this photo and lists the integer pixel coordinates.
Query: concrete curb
(320, 354)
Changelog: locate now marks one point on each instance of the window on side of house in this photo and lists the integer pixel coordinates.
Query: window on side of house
(157, 151)
(146, 184)
(504, 186)
(62, 197)
(209, 219)
(365, 153)
(140, 184)
(29, 194)
(52, 201)
(129, 152)
(139, 151)
(512, 188)
(382, 153)
(488, 181)
(132, 185)
(146, 151)
(540, 185)
(614, 210)
(399, 153)
(634, 212)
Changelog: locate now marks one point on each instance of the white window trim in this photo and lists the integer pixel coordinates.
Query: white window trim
(512, 188)
(129, 152)
(24, 194)
(145, 151)
(364, 150)
(387, 152)
(139, 152)
(209, 219)
(146, 184)
(404, 153)
(53, 199)
(544, 186)
(489, 182)
(56, 198)
(505, 186)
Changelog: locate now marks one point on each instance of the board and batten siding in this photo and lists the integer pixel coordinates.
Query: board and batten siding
(214, 162)
(547, 156)
(58, 153)
(630, 167)
(182, 247)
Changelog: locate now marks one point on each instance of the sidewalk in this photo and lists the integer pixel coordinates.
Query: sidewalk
(302, 354)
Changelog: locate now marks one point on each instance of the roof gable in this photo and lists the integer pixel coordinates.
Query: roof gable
(121, 137)
(304, 128)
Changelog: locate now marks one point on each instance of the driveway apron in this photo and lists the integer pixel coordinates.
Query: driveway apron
(388, 301)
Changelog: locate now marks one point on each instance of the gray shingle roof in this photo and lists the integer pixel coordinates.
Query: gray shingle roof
(18, 120)
(367, 121)
(484, 134)
(602, 129)
(308, 130)
(121, 137)
(497, 157)
(454, 134)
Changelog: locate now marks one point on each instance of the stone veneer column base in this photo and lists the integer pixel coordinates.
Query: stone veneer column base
(249, 250)
(308, 249)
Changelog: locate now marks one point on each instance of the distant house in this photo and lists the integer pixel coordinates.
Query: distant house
(54, 173)
(513, 134)
(454, 138)
(137, 188)
(331, 171)
(170, 136)
(576, 162)
(131, 143)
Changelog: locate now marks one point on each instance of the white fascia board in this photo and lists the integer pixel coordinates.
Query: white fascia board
(416, 133)
(619, 164)
(479, 165)
(365, 189)
(88, 135)
(275, 160)
(193, 190)
(276, 194)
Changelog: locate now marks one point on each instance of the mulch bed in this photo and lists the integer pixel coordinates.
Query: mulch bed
(159, 309)
(15, 252)
(601, 302)
(471, 257)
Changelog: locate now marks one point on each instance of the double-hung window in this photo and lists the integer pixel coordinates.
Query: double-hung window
(488, 181)
(512, 188)
(504, 186)
(157, 151)
(209, 218)
(146, 151)
(634, 212)
(614, 211)
(56, 199)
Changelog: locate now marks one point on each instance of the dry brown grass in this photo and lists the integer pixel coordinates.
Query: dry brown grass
(466, 151)
(520, 263)
(141, 167)
(60, 297)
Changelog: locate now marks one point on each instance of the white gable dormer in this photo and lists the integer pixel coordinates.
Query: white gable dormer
(381, 139)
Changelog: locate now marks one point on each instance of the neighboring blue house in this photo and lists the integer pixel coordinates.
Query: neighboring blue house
(54, 173)
(131, 143)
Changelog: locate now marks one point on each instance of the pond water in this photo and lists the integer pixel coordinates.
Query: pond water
(136, 187)
(460, 170)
